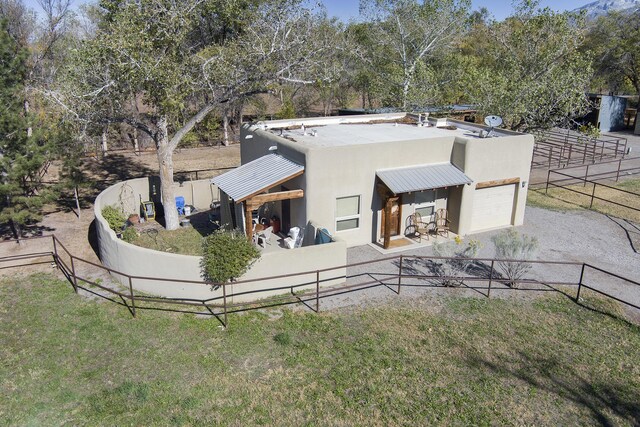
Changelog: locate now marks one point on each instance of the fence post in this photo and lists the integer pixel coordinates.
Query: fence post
(586, 175)
(490, 279)
(317, 291)
(546, 189)
(569, 156)
(133, 303)
(618, 172)
(224, 302)
(593, 194)
(580, 282)
(400, 275)
(55, 250)
(550, 154)
(73, 274)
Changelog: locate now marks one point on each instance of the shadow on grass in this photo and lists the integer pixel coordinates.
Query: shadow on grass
(550, 374)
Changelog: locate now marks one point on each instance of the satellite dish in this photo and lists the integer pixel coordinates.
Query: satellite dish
(493, 121)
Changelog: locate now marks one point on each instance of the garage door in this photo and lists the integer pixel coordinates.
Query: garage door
(492, 207)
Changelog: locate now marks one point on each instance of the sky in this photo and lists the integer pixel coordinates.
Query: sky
(347, 9)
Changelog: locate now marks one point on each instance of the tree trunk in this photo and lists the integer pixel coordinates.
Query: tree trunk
(26, 112)
(104, 140)
(165, 161)
(75, 193)
(225, 127)
(136, 147)
(17, 230)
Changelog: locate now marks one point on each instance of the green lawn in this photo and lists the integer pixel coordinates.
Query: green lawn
(455, 361)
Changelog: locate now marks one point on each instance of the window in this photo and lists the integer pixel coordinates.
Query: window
(425, 204)
(347, 213)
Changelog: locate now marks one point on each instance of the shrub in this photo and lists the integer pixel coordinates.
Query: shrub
(509, 244)
(226, 256)
(457, 262)
(114, 218)
(129, 234)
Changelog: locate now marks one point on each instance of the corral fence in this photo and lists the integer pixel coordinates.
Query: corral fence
(615, 196)
(483, 275)
(562, 148)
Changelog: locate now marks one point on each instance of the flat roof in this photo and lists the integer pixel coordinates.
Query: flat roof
(358, 134)
(369, 129)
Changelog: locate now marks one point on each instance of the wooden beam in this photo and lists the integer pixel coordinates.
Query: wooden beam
(262, 190)
(248, 221)
(496, 183)
(383, 191)
(261, 199)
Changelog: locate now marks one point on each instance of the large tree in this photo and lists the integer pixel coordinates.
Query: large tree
(162, 66)
(614, 40)
(406, 38)
(23, 155)
(529, 69)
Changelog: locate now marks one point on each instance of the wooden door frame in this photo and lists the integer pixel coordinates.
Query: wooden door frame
(383, 224)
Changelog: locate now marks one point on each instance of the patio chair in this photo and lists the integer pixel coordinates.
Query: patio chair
(442, 223)
(265, 235)
(421, 228)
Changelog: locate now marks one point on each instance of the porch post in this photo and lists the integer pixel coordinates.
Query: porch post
(387, 222)
(248, 220)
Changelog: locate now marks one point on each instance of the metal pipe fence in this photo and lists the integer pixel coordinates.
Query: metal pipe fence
(311, 292)
(565, 148)
(568, 180)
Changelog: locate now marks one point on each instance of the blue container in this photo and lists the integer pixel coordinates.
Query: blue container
(180, 205)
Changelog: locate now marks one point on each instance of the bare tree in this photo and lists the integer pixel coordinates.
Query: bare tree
(410, 32)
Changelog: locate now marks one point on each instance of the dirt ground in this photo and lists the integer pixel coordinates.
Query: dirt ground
(78, 233)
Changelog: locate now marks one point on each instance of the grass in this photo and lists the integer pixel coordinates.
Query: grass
(184, 240)
(463, 361)
(563, 199)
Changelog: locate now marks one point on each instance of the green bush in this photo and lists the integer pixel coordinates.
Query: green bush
(114, 218)
(226, 256)
(509, 244)
(129, 234)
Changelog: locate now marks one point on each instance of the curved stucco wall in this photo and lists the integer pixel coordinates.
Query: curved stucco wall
(133, 260)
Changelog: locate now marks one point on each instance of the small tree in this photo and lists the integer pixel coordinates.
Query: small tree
(458, 258)
(226, 256)
(510, 245)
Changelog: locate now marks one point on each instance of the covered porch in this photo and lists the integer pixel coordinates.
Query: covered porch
(423, 192)
(247, 188)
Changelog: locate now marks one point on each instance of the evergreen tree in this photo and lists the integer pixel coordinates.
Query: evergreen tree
(23, 158)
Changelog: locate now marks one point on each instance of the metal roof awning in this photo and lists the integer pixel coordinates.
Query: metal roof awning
(423, 177)
(257, 176)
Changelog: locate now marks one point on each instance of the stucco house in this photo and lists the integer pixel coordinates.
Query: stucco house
(362, 177)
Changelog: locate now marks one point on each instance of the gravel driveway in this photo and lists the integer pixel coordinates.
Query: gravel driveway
(579, 236)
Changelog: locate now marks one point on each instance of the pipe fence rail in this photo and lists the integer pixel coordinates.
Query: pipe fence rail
(565, 148)
(310, 291)
(566, 181)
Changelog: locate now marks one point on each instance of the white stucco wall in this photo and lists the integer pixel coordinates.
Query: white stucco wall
(129, 259)
(333, 171)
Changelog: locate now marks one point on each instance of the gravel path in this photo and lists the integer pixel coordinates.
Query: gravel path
(580, 236)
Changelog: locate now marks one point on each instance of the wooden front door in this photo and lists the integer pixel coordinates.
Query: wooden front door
(396, 214)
